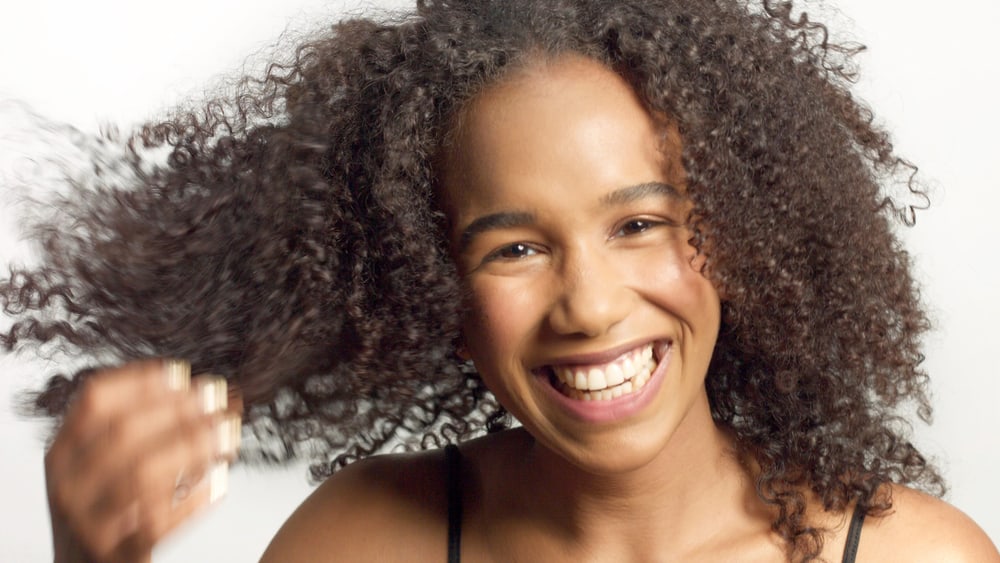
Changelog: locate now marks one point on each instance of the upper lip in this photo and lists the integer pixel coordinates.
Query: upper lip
(602, 357)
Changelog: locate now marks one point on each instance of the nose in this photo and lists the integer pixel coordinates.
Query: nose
(593, 296)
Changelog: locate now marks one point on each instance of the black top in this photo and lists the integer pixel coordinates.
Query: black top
(854, 534)
(454, 475)
(453, 462)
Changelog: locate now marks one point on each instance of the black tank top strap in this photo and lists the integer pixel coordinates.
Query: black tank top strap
(453, 463)
(854, 534)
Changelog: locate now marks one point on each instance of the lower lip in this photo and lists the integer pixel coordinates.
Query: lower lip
(614, 409)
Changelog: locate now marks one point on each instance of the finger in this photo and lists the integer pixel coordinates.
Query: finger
(139, 460)
(77, 472)
(139, 508)
(167, 473)
(161, 516)
(132, 434)
(84, 476)
(156, 522)
(155, 460)
(85, 447)
(109, 393)
(131, 441)
(117, 389)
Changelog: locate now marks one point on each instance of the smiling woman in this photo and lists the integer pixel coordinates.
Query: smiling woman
(578, 266)
(657, 234)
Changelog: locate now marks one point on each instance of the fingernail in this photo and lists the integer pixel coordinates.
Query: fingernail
(178, 374)
(218, 482)
(211, 393)
(228, 435)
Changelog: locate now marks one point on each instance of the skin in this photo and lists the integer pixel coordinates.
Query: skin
(113, 466)
(575, 269)
(564, 274)
(582, 273)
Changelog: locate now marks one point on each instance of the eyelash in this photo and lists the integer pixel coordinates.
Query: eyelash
(524, 250)
(646, 224)
(499, 254)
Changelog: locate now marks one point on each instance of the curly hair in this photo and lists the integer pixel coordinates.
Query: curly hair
(292, 241)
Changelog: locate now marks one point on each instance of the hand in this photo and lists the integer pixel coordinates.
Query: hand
(139, 451)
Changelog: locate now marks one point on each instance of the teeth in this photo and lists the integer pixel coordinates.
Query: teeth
(595, 378)
(633, 373)
(614, 375)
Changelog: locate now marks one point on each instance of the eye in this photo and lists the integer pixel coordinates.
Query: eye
(513, 251)
(636, 226)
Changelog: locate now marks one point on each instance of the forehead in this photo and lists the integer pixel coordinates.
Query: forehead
(567, 124)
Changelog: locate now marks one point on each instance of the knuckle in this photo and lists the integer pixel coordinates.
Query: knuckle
(89, 398)
(102, 550)
(63, 495)
(67, 439)
(145, 478)
(100, 540)
(115, 431)
(199, 439)
(193, 439)
(156, 525)
(129, 548)
(184, 410)
(58, 496)
(53, 461)
(119, 494)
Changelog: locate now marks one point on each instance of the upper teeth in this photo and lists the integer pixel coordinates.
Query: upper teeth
(619, 370)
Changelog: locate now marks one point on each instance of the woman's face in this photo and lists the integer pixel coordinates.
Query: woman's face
(588, 316)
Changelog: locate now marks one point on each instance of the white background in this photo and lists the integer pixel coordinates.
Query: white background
(931, 75)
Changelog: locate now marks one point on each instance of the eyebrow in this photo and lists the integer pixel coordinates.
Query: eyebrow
(641, 191)
(510, 219)
(493, 221)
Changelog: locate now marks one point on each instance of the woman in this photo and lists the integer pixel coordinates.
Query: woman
(677, 206)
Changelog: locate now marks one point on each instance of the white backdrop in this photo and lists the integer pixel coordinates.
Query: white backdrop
(932, 77)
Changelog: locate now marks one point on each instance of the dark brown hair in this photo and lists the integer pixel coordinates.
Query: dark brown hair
(292, 241)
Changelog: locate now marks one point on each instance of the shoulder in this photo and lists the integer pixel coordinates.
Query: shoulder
(384, 508)
(920, 527)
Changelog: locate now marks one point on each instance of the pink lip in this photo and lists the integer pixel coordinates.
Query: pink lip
(602, 357)
(615, 409)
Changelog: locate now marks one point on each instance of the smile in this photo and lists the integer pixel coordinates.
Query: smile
(622, 376)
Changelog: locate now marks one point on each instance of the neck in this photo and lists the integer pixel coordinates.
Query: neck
(669, 504)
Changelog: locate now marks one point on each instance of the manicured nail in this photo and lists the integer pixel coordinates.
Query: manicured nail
(211, 393)
(218, 482)
(228, 436)
(178, 374)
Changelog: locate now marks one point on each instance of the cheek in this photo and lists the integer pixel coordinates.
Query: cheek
(498, 317)
(675, 281)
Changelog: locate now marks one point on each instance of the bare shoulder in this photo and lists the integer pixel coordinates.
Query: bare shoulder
(384, 508)
(920, 527)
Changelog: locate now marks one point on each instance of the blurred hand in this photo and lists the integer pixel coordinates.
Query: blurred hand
(141, 449)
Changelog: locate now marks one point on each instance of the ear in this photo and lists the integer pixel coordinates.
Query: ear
(701, 264)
